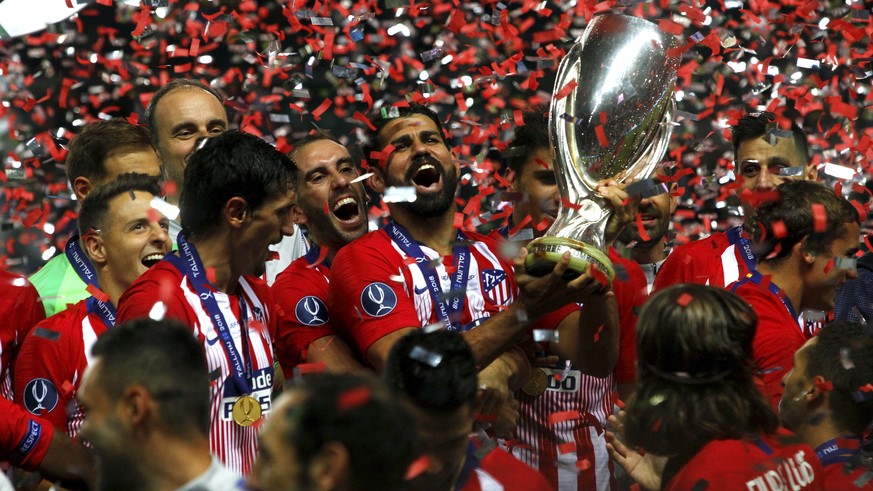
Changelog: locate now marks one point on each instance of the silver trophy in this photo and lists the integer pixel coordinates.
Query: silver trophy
(616, 123)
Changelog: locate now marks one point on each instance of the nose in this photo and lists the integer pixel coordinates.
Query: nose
(160, 235)
(766, 180)
(339, 180)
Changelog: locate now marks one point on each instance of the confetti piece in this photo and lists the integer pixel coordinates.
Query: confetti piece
(566, 89)
(820, 218)
(424, 356)
(563, 416)
(158, 311)
(848, 263)
(353, 398)
(399, 194)
(684, 299)
(417, 467)
(314, 367)
(542, 335)
(568, 447)
(824, 386)
(164, 208)
(97, 293)
(322, 255)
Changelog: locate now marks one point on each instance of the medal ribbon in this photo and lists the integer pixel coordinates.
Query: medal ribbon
(312, 254)
(735, 237)
(447, 307)
(839, 450)
(193, 269)
(756, 278)
(83, 267)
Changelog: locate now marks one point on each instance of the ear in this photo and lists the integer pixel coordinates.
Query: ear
(376, 181)
(818, 389)
(808, 256)
(95, 248)
(81, 187)
(136, 406)
(674, 200)
(298, 215)
(811, 172)
(330, 468)
(236, 211)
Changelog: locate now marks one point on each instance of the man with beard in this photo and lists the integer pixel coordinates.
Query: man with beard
(236, 201)
(529, 158)
(828, 401)
(147, 400)
(765, 157)
(806, 241)
(123, 236)
(420, 270)
(331, 207)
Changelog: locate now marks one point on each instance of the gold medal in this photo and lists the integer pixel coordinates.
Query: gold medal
(246, 410)
(536, 385)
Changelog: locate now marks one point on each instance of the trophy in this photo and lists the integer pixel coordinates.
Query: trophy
(615, 123)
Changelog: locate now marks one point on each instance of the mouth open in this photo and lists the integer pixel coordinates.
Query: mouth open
(346, 209)
(427, 176)
(151, 260)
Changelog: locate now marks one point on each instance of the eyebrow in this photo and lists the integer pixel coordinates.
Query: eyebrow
(775, 160)
(323, 168)
(192, 124)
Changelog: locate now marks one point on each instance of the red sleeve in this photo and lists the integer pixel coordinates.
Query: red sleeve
(139, 300)
(24, 439)
(366, 297)
(630, 295)
(677, 268)
(46, 368)
(511, 472)
(301, 295)
(21, 308)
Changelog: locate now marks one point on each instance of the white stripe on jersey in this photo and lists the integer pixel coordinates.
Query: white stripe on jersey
(729, 265)
(234, 445)
(89, 337)
(487, 482)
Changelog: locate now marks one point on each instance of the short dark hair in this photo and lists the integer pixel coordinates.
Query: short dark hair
(165, 358)
(793, 209)
(436, 371)
(149, 115)
(359, 412)
(317, 135)
(232, 164)
(528, 138)
(843, 355)
(694, 351)
(389, 114)
(95, 209)
(756, 125)
(97, 141)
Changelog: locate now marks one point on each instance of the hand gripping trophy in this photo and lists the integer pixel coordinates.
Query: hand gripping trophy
(624, 78)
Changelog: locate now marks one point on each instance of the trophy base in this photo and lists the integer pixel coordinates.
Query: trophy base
(544, 253)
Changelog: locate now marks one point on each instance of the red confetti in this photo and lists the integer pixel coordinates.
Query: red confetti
(597, 333)
(824, 385)
(583, 465)
(684, 299)
(316, 367)
(353, 398)
(601, 136)
(32, 217)
(97, 293)
(641, 230)
(322, 255)
(820, 218)
(563, 416)
(779, 230)
(416, 468)
(565, 448)
(566, 89)
(321, 109)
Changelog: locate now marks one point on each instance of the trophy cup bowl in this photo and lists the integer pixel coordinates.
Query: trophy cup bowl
(616, 123)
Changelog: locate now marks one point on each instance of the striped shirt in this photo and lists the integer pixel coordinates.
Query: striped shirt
(377, 289)
(236, 446)
(51, 363)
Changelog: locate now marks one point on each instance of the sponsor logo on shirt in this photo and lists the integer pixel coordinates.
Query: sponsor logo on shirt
(378, 299)
(262, 387)
(40, 396)
(311, 311)
(492, 278)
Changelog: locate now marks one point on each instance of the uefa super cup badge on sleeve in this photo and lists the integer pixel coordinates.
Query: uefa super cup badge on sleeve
(610, 118)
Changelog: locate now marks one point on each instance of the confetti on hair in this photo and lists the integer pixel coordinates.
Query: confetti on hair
(417, 467)
(819, 218)
(684, 299)
(353, 398)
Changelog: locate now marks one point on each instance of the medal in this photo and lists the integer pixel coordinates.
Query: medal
(246, 410)
(537, 384)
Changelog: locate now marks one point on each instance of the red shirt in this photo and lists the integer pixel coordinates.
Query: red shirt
(236, 446)
(52, 361)
(498, 471)
(764, 464)
(778, 336)
(630, 289)
(20, 309)
(717, 260)
(376, 289)
(301, 293)
(24, 439)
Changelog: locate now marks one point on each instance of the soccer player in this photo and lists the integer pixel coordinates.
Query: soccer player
(421, 270)
(828, 401)
(435, 375)
(180, 114)
(21, 308)
(802, 239)
(336, 432)
(235, 202)
(697, 410)
(100, 153)
(147, 400)
(764, 157)
(333, 210)
(123, 236)
(540, 444)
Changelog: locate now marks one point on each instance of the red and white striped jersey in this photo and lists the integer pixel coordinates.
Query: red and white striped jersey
(20, 310)
(377, 289)
(236, 446)
(714, 261)
(51, 363)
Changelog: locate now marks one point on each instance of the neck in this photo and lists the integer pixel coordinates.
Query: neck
(173, 461)
(108, 284)
(786, 276)
(649, 253)
(216, 256)
(819, 430)
(438, 233)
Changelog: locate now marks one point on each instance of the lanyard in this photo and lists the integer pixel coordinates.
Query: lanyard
(839, 450)
(449, 307)
(83, 267)
(192, 267)
(312, 254)
(735, 237)
(756, 278)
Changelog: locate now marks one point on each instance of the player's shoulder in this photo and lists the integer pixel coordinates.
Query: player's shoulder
(159, 274)
(714, 244)
(362, 250)
(298, 274)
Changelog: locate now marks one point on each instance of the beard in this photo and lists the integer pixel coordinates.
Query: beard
(429, 205)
